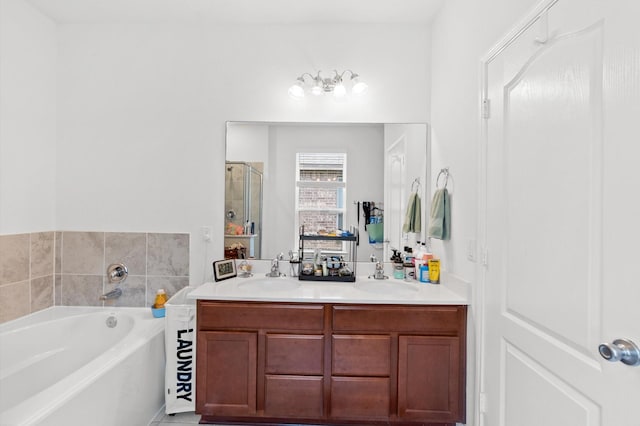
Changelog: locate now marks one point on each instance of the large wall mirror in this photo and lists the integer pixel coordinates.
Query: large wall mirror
(324, 175)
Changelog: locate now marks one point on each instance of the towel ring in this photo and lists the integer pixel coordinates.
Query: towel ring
(415, 186)
(444, 172)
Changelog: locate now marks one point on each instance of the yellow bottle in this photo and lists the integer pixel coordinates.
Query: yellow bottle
(161, 299)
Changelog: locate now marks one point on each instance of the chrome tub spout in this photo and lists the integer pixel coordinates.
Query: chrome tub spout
(113, 294)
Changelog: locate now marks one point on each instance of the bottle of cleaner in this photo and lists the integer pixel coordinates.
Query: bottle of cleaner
(161, 299)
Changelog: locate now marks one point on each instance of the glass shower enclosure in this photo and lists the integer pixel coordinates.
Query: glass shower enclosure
(243, 210)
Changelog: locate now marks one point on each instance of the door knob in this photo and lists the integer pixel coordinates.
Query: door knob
(623, 350)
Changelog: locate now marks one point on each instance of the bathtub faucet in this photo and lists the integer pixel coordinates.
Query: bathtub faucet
(113, 294)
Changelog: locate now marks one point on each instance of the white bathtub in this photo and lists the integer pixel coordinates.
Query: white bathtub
(65, 366)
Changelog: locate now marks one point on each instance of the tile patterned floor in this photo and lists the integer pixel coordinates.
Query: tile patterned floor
(181, 419)
(178, 419)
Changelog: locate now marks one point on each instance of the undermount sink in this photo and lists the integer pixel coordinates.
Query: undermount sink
(270, 284)
(386, 287)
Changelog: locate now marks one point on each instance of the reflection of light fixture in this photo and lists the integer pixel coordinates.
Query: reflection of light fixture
(318, 85)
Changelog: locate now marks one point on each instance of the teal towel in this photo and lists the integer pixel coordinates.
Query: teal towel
(412, 221)
(440, 217)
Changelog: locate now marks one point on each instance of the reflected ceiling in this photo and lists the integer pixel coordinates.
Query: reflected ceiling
(240, 11)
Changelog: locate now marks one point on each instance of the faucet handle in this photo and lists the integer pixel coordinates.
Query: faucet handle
(373, 258)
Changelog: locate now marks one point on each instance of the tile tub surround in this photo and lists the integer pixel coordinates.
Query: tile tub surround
(43, 269)
(26, 274)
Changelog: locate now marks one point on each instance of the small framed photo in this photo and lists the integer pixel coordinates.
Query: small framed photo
(224, 269)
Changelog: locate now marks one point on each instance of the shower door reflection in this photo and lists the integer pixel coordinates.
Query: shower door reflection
(243, 207)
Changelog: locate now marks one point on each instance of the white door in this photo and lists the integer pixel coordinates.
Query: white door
(406, 169)
(395, 182)
(561, 185)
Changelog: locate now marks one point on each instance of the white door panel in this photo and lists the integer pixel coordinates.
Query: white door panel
(561, 210)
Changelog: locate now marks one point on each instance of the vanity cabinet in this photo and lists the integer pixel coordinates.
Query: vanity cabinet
(265, 362)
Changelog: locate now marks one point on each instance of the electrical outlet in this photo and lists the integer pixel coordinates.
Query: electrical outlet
(206, 233)
(471, 251)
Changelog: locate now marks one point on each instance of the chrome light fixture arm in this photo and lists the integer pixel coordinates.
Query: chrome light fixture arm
(318, 85)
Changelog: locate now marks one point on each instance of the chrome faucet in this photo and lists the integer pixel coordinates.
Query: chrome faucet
(275, 267)
(379, 272)
(113, 294)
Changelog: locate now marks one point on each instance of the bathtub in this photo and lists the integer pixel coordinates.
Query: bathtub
(66, 366)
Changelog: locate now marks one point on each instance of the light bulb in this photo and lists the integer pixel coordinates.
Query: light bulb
(296, 91)
(359, 87)
(317, 90)
(339, 90)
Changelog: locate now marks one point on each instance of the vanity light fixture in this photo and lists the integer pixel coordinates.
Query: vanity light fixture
(317, 85)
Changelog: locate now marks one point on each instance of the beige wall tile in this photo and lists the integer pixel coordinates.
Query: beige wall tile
(58, 289)
(14, 258)
(128, 248)
(171, 286)
(14, 301)
(42, 251)
(42, 290)
(83, 253)
(81, 290)
(58, 252)
(168, 254)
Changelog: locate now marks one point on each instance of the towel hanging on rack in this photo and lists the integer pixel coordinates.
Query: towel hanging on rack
(440, 215)
(412, 218)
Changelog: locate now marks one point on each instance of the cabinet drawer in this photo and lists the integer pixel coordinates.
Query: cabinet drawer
(363, 355)
(293, 396)
(218, 315)
(447, 320)
(360, 397)
(294, 354)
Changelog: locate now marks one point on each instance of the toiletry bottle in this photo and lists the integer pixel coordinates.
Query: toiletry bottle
(424, 273)
(434, 271)
(161, 299)
(398, 270)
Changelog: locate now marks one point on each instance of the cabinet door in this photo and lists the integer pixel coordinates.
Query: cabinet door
(226, 379)
(429, 385)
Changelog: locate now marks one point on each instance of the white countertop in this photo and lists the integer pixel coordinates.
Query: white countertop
(365, 290)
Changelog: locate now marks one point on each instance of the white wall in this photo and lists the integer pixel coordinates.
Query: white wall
(27, 119)
(142, 119)
(250, 142)
(463, 33)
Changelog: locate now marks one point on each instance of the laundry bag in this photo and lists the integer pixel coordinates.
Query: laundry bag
(180, 350)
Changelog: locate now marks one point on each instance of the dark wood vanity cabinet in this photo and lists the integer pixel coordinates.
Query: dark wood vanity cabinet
(330, 363)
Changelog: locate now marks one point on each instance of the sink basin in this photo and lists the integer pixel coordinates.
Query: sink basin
(386, 287)
(270, 284)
